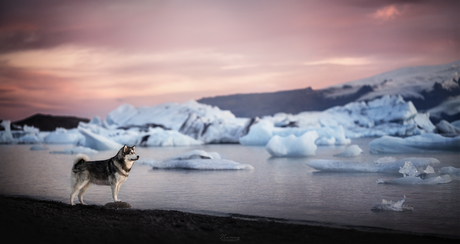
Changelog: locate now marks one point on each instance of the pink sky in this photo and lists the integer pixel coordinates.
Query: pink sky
(86, 58)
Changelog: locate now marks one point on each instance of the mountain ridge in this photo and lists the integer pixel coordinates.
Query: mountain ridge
(425, 86)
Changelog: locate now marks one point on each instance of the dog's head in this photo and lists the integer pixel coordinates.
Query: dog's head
(128, 153)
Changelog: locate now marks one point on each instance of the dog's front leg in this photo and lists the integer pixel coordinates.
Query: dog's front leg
(114, 192)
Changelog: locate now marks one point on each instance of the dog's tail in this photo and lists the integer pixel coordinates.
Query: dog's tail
(80, 157)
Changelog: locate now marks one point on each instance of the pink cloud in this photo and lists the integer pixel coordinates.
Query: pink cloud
(83, 51)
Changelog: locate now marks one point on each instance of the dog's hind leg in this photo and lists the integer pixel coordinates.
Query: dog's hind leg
(76, 187)
(82, 192)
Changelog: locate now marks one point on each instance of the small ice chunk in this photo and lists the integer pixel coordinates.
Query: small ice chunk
(197, 160)
(409, 170)
(392, 206)
(429, 170)
(293, 146)
(412, 176)
(351, 151)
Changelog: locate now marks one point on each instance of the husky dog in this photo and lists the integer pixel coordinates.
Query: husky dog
(112, 172)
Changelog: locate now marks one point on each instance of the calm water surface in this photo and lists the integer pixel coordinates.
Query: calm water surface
(277, 187)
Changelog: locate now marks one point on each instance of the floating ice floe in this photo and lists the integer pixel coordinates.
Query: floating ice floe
(453, 172)
(351, 151)
(392, 206)
(415, 176)
(75, 150)
(197, 160)
(420, 143)
(292, 146)
(384, 165)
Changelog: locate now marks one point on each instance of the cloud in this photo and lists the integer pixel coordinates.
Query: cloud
(341, 61)
(66, 52)
(387, 13)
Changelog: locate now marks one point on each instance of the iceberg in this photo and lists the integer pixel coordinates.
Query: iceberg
(383, 165)
(30, 136)
(6, 136)
(292, 146)
(262, 132)
(76, 150)
(444, 127)
(388, 115)
(98, 142)
(197, 160)
(351, 151)
(160, 138)
(63, 136)
(199, 121)
(420, 143)
(392, 206)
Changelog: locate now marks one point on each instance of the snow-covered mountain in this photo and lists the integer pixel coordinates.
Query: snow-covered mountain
(427, 87)
(409, 82)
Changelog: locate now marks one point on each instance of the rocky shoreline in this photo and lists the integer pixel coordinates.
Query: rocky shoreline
(40, 221)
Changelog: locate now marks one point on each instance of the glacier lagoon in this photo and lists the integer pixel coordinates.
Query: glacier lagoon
(285, 188)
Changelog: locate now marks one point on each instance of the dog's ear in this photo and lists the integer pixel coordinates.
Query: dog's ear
(134, 147)
(124, 148)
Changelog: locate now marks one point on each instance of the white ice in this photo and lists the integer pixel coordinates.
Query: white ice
(420, 143)
(292, 146)
(98, 142)
(261, 133)
(64, 136)
(76, 150)
(385, 164)
(158, 137)
(407, 81)
(388, 115)
(351, 151)
(412, 175)
(444, 127)
(197, 160)
(453, 172)
(392, 206)
(6, 136)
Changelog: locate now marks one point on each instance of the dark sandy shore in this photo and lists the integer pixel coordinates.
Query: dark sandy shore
(37, 221)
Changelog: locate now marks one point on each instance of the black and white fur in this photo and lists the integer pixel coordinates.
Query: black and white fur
(112, 172)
